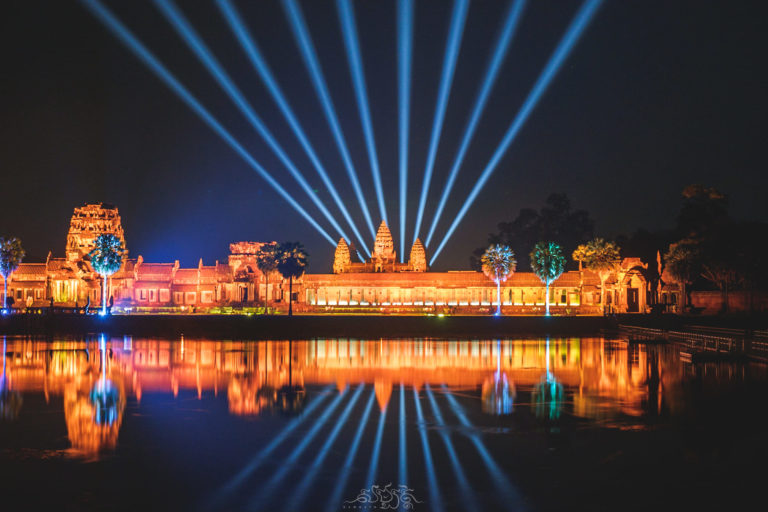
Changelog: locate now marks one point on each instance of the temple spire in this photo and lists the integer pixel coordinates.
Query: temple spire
(341, 258)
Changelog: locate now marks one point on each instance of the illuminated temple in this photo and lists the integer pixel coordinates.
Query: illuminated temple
(381, 284)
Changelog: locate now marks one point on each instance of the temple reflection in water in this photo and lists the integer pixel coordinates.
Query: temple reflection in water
(96, 377)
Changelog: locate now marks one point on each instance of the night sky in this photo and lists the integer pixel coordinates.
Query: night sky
(656, 95)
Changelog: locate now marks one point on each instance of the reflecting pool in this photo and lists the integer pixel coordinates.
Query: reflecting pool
(402, 424)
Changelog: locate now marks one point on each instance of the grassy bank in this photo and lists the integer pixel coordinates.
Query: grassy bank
(304, 326)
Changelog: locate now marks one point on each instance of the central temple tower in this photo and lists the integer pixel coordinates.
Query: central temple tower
(383, 257)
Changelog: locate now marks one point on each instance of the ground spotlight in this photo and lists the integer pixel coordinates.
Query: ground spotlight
(303, 40)
(355, 61)
(576, 28)
(195, 43)
(458, 18)
(139, 50)
(502, 45)
(249, 46)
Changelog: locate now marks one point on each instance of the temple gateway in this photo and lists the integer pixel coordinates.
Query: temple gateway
(381, 284)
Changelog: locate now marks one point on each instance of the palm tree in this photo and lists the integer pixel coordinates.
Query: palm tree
(580, 255)
(267, 260)
(292, 261)
(683, 260)
(498, 263)
(11, 254)
(106, 259)
(548, 263)
(599, 256)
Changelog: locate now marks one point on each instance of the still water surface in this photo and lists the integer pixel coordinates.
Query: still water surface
(333, 425)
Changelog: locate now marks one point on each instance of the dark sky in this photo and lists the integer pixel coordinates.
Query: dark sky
(656, 95)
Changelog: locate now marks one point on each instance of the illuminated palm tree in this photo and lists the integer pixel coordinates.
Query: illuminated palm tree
(498, 263)
(548, 263)
(11, 254)
(106, 259)
(601, 257)
(291, 264)
(267, 260)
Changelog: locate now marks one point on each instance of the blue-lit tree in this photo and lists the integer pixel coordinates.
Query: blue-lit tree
(498, 263)
(291, 264)
(106, 259)
(548, 263)
(11, 254)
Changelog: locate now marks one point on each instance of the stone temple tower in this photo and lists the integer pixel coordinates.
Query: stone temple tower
(341, 258)
(418, 258)
(87, 223)
(383, 248)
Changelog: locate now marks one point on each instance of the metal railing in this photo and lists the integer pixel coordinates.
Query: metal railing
(708, 340)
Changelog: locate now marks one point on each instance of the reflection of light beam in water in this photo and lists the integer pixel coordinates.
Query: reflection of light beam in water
(402, 459)
(461, 477)
(512, 499)
(434, 493)
(374, 465)
(139, 50)
(346, 468)
(204, 55)
(355, 61)
(251, 49)
(404, 58)
(458, 18)
(299, 492)
(261, 457)
(287, 464)
(311, 62)
(579, 23)
(502, 45)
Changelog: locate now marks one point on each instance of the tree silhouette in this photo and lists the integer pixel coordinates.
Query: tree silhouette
(556, 220)
(292, 262)
(267, 259)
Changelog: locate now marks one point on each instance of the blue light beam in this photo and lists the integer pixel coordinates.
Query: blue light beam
(299, 492)
(434, 492)
(289, 463)
(579, 23)
(511, 497)
(404, 60)
(122, 33)
(304, 42)
(333, 503)
(262, 456)
(502, 46)
(461, 477)
(373, 467)
(403, 447)
(355, 61)
(458, 19)
(249, 46)
(195, 43)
